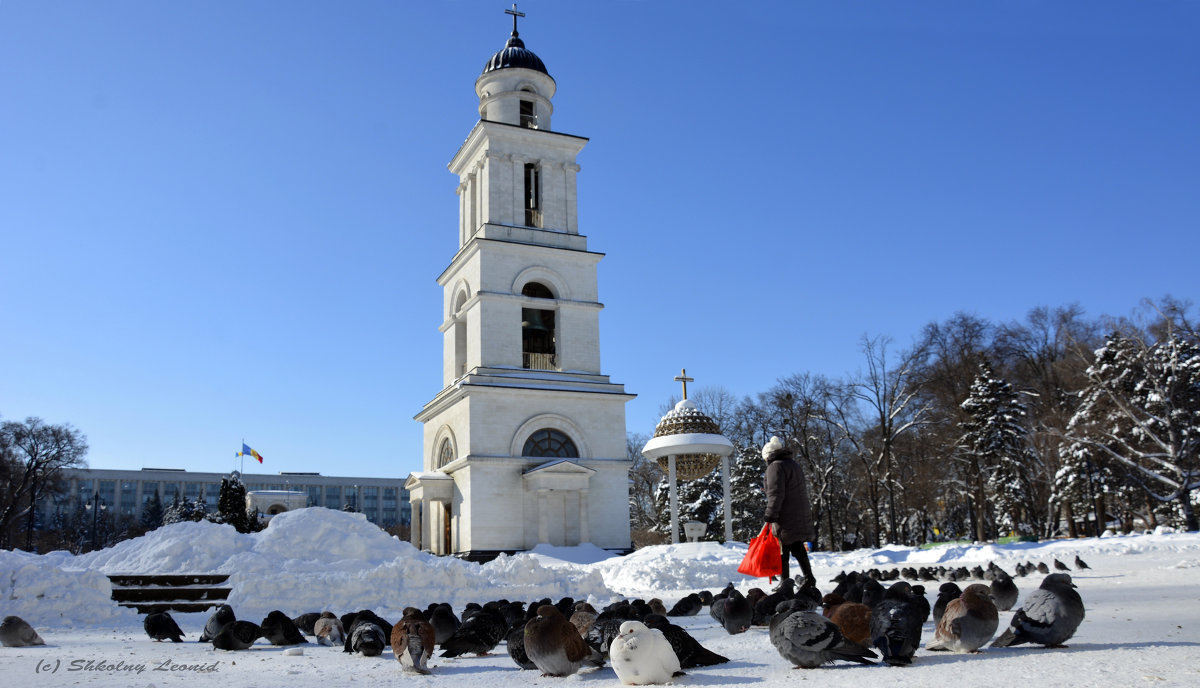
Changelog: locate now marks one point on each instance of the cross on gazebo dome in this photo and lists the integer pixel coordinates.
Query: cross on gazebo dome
(682, 377)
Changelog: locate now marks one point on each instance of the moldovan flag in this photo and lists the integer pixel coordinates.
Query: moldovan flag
(247, 450)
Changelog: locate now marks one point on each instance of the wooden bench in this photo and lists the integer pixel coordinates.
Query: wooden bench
(178, 592)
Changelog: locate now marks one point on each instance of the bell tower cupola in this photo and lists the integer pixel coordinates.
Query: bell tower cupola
(515, 87)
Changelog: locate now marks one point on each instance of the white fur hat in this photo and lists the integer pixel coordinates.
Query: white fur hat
(772, 446)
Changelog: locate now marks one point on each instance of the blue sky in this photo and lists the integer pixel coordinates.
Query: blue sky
(224, 220)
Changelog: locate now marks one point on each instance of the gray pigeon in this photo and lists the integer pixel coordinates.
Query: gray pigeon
(367, 639)
(896, 625)
(809, 640)
(238, 635)
(1080, 564)
(969, 622)
(218, 620)
(1042, 568)
(1049, 617)
(1058, 565)
(161, 626)
(1004, 591)
(15, 632)
(601, 634)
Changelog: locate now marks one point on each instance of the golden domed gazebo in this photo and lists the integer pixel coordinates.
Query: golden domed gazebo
(688, 445)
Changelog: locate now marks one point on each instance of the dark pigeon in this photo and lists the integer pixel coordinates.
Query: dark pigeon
(161, 626)
(765, 608)
(689, 650)
(1004, 591)
(602, 632)
(947, 592)
(367, 638)
(16, 632)
(363, 617)
(307, 622)
(239, 635)
(1080, 564)
(688, 606)
(278, 629)
(1061, 566)
(478, 634)
(896, 625)
(515, 641)
(444, 622)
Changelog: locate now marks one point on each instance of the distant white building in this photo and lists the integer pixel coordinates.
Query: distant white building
(525, 443)
(269, 503)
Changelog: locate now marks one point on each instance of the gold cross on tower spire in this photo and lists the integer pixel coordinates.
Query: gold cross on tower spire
(682, 377)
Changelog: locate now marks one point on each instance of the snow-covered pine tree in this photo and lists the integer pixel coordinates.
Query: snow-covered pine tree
(996, 435)
(699, 500)
(232, 508)
(184, 510)
(749, 503)
(1141, 412)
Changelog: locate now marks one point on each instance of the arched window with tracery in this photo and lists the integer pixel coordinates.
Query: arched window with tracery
(550, 443)
(445, 453)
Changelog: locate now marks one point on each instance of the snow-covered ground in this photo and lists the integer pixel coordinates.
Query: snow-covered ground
(1142, 596)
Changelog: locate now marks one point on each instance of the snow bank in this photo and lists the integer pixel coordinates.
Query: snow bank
(691, 565)
(319, 559)
(39, 590)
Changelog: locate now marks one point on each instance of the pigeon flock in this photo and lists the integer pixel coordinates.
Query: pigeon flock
(861, 620)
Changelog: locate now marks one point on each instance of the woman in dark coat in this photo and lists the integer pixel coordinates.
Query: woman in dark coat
(788, 510)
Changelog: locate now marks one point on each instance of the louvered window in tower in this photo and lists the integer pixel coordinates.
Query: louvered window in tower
(533, 195)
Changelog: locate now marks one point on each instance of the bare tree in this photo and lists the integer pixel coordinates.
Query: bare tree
(35, 454)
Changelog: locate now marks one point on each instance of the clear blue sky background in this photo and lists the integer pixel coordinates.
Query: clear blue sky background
(224, 220)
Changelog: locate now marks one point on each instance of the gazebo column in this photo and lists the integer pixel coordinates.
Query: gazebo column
(585, 533)
(674, 493)
(728, 503)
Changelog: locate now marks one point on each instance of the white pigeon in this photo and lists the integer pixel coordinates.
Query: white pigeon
(642, 655)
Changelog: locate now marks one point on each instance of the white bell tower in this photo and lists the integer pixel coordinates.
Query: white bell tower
(525, 443)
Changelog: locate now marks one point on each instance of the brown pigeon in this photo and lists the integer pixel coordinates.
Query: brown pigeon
(968, 623)
(854, 620)
(553, 644)
(413, 640)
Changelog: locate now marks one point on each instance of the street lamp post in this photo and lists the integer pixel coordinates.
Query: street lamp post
(95, 505)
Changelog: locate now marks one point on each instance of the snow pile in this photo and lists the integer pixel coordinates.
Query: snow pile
(320, 559)
(691, 565)
(37, 589)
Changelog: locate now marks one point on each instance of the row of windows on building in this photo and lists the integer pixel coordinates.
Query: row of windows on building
(384, 506)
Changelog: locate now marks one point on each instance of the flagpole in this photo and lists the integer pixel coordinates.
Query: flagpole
(243, 455)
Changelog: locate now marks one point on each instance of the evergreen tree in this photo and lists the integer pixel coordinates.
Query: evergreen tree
(232, 507)
(1141, 413)
(152, 512)
(996, 438)
(749, 503)
(183, 510)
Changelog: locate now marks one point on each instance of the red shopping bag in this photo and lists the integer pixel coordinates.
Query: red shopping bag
(762, 559)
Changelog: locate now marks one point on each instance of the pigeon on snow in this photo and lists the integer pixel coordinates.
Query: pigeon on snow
(690, 605)
(809, 640)
(219, 619)
(1049, 617)
(328, 630)
(237, 635)
(948, 591)
(279, 629)
(16, 632)
(896, 625)
(478, 634)
(1080, 564)
(1004, 591)
(969, 622)
(161, 626)
(734, 612)
(642, 655)
(689, 650)
(306, 623)
(1058, 565)
(853, 619)
(413, 641)
(553, 644)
